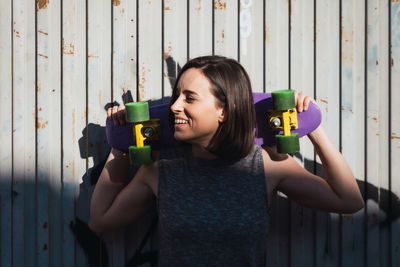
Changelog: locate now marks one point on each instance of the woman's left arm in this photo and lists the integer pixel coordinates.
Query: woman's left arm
(338, 192)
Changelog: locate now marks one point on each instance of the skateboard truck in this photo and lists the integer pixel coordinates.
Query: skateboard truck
(144, 129)
(284, 118)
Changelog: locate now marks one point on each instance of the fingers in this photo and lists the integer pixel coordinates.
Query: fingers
(302, 101)
(117, 114)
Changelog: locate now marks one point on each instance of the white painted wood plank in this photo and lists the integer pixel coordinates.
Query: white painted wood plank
(276, 75)
(276, 45)
(124, 48)
(124, 78)
(377, 123)
(150, 51)
(352, 111)
(24, 154)
(395, 130)
(252, 41)
(327, 96)
(302, 80)
(6, 133)
(49, 223)
(74, 121)
(99, 94)
(200, 28)
(175, 42)
(226, 28)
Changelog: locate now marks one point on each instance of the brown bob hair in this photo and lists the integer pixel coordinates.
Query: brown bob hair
(230, 84)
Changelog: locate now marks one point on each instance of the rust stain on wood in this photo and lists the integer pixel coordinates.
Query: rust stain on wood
(376, 63)
(42, 55)
(42, 32)
(116, 2)
(40, 124)
(68, 49)
(42, 4)
(219, 5)
(395, 1)
(17, 34)
(395, 137)
(375, 119)
(324, 101)
(142, 81)
(199, 6)
(122, 11)
(266, 34)
(92, 56)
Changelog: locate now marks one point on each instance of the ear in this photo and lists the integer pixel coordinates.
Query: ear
(222, 115)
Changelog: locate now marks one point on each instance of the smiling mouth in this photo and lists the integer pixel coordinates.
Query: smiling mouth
(180, 121)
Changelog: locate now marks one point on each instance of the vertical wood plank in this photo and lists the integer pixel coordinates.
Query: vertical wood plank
(302, 79)
(377, 126)
(200, 28)
(124, 48)
(99, 94)
(150, 51)
(352, 114)
(49, 223)
(124, 78)
(276, 75)
(226, 28)
(276, 45)
(327, 96)
(6, 133)
(395, 134)
(24, 134)
(74, 117)
(251, 41)
(175, 41)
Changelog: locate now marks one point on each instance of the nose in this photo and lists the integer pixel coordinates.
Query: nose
(177, 105)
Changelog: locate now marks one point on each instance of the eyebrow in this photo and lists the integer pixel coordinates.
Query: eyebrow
(186, 91)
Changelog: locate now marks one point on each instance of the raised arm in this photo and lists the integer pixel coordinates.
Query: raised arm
(338, 192)
(113, 204)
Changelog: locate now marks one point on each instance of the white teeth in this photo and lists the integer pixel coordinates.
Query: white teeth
(179, 121)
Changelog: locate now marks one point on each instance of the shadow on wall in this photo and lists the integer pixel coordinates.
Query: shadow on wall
(95, 246)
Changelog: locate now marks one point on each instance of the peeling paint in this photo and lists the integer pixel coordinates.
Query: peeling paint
(68, 49)
(42, 4)
(219, 5)
(116, 2)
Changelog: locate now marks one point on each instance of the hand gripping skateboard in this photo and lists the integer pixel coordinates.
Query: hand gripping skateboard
(278, 124)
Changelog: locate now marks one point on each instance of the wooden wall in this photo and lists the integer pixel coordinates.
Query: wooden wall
(62, 61)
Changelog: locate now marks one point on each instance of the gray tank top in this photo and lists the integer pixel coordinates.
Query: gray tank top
(211, 213)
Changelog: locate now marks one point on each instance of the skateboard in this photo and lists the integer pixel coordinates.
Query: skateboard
(278, 123)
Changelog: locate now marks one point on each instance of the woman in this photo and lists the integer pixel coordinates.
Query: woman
(214, 190)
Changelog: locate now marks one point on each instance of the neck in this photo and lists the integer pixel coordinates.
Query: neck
(201, 152)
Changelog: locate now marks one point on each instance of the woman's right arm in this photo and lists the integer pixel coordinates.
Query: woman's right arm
(113, 204)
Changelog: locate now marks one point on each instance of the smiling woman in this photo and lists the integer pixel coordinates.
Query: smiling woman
(214, 190)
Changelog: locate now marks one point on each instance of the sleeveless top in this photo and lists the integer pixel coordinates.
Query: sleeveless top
(211, 213)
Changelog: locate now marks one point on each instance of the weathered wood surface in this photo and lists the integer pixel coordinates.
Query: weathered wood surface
(62, 62)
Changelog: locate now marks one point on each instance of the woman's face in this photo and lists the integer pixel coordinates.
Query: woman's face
(197, 115)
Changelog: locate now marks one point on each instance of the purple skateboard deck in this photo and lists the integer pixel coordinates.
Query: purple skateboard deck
(121, 136)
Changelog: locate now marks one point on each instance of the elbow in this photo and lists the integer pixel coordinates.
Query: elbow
(355, 206)
(96, 225)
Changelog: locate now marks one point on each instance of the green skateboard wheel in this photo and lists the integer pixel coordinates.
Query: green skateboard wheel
(140, 155)
(288, 144)
(137, 112)
(283, 100)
